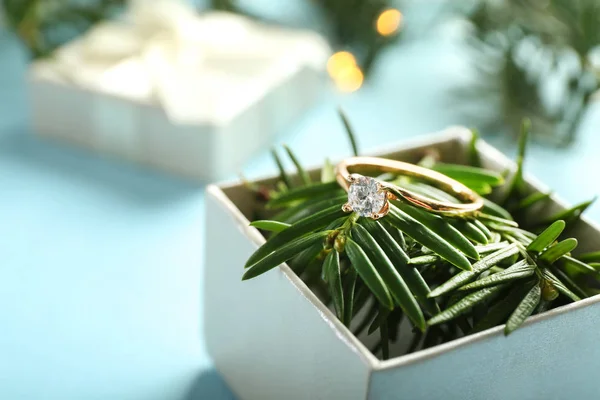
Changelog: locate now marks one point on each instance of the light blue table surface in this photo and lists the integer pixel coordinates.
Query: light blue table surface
(101, 261)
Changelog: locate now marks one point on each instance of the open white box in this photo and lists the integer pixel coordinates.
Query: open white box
(272, 338)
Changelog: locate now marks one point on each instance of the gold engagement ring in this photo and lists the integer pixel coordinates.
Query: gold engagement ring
(370, 197)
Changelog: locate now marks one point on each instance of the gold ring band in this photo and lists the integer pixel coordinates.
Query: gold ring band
(471, 200)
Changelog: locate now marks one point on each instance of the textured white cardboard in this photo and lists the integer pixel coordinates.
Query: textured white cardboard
(271, 337)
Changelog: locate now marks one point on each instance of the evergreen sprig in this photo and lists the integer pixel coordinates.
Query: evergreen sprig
(44, 25)
(518, 49)
(447, 277)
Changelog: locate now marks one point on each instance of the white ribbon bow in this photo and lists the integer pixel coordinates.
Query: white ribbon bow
(198, 67)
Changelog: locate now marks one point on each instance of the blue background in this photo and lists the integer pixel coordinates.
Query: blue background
(101, 261)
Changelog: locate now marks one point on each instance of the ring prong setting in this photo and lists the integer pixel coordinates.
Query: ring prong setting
(353, 178)
(383, 212)
(347, 208)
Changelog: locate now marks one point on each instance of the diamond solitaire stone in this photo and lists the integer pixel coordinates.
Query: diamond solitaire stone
(364, 198)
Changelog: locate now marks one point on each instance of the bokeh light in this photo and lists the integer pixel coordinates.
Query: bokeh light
(350, 79)
(346, 75)
(340, 61)
(389, 22)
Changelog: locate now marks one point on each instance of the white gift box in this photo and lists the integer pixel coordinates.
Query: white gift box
(194, 94)
(272, 338)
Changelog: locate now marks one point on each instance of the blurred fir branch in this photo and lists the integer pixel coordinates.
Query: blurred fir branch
(523, 49)
(352, 25)
(446, 277)
(43, 25)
